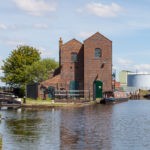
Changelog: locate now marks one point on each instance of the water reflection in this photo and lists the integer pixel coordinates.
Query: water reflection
(24, 128)
(31, 129)
(131, 125)
(89, 129)
(124, 126)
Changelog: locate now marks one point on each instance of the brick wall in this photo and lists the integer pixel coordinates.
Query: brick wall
(72, 71)
(97, 68)
(87, 68)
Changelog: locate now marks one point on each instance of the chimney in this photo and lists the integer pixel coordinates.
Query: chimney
(60, 45)
(60, 42)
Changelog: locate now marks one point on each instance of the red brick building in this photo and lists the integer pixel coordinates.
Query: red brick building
(80, 64)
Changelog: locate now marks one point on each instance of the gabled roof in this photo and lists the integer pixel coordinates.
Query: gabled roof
(56, 79)
(97, 34)
(72, 41)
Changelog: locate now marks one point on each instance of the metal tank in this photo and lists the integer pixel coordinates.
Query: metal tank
(138, 80)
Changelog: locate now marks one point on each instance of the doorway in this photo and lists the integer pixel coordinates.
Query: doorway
(97, 89)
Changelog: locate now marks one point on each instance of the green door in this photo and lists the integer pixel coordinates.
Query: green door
(97, 89)
(74, 85)
(51, 92)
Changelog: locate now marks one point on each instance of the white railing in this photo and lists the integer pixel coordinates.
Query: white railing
(71, 93)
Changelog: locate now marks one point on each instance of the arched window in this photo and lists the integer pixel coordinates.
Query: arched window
(98, 53)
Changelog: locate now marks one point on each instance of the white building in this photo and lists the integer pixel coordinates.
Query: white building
(123, 75)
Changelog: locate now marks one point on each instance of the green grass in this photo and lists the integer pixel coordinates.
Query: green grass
(0, 143)
(38, 101)
(50, 103)
(144, 92)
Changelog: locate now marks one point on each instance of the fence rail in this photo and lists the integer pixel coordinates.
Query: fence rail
(71, 94)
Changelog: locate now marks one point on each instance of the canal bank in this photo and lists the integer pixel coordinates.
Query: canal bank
(0, 143)
(48, 103)
(51, 103)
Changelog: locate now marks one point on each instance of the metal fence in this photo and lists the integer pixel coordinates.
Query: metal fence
(72, 94)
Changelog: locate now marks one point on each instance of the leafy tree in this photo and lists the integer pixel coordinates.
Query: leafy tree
(41, 70)
(15, 66)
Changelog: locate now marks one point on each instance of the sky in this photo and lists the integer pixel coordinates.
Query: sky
(40, 23)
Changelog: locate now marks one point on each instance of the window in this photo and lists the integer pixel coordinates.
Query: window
(74, 57)
(97, 52)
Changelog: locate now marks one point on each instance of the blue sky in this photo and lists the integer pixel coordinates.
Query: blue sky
(40, 23)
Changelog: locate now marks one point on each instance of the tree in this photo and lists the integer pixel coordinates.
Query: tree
(41, 70)
(16, 64)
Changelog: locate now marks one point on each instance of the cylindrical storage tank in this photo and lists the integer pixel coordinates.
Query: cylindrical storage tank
(138, 80)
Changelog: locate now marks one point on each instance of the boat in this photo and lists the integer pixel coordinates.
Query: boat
(147, 96)
(110, 97)
(9, 100)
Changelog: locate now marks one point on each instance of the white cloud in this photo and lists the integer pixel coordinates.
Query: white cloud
(40, 26)
(23, 26)
(14, 42)
(1, 63)
(8, 26)
(141, 53)
(85, 35)
(3, 27)
(48, 53)
(126, 64)
(142, 68)
(123, 64)
(35, 7)
(102, 10)
(45, 53)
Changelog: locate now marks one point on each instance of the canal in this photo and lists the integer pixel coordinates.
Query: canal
(123, 126)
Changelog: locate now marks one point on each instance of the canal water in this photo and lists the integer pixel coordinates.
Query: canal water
(123, 126)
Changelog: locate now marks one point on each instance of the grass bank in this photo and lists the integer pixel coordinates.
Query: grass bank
(0, 143)
(50, 103)
(38, 101)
